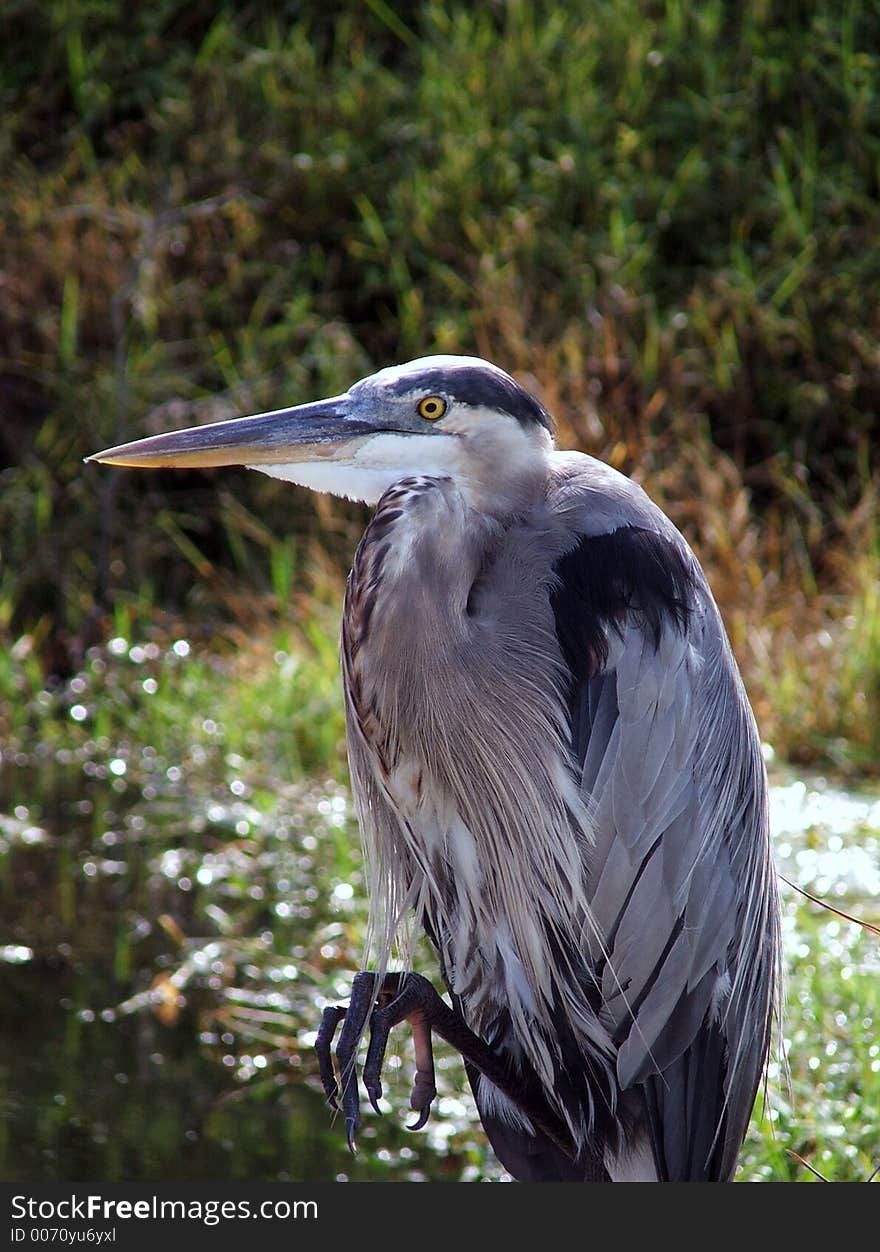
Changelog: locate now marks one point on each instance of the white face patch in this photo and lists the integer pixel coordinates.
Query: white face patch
(345, 481)
(371, 465)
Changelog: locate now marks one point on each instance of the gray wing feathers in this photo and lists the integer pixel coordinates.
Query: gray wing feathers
(683, 890)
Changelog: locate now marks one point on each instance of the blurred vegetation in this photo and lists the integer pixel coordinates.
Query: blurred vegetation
(662, 216)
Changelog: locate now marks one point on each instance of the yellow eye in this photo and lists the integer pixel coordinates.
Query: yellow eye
(432, 407)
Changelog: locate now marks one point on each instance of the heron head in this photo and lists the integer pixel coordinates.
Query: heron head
(451, 416)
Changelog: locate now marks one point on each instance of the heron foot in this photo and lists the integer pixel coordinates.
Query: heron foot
(410, 997)
(399, 997)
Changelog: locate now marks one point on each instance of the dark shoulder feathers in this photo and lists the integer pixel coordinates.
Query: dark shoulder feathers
(605, 578)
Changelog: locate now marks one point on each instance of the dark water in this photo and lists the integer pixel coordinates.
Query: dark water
(163, 961)
(129, 1101)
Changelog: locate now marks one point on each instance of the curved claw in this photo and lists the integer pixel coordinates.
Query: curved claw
(379, 1031)
(424, 1087)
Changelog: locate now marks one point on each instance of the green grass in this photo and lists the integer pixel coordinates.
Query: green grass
(279, 700)
(822, 1103)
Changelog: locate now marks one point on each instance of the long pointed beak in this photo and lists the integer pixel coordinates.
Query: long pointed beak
(309, 432)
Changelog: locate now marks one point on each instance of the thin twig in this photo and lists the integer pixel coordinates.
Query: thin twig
(807, 1165)
(875, 930)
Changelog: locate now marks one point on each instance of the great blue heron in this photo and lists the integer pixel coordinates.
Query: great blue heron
(556, 771)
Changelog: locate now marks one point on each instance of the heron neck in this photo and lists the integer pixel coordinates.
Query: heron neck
(415, 566)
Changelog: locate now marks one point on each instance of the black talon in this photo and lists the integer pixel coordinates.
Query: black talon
(330, 1019)
(372, 1072)
(360, 1004)
(422, 1119)
(374, 1092)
